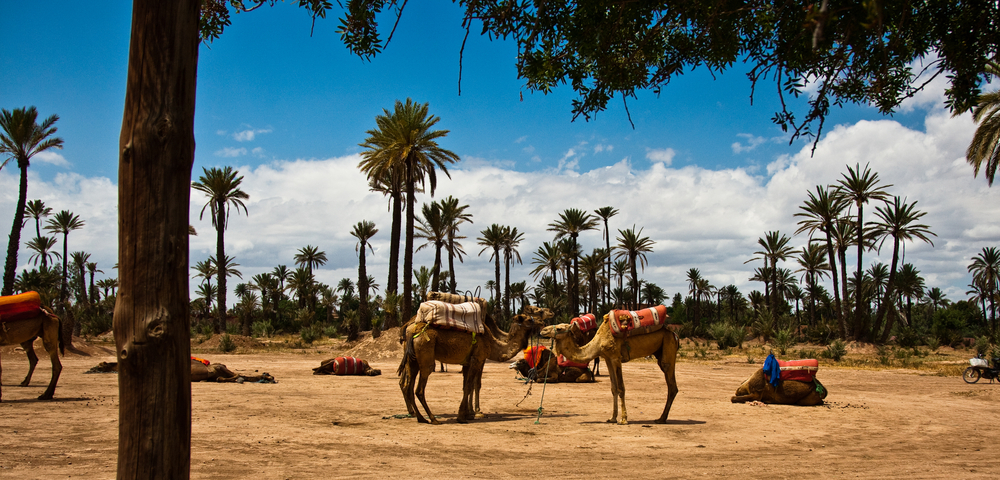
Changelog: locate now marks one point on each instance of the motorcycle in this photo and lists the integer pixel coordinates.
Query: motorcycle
(981, 369)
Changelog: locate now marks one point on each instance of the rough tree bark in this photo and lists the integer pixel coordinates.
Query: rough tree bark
(151, 322)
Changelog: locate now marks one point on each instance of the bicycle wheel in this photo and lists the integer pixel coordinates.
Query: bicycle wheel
(971, 375)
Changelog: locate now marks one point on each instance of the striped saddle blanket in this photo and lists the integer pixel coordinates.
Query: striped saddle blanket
(627, 322)
(563, 362)
(20, 307)
(799, 370)
(586, 322)
(348, 366)
(457, 316)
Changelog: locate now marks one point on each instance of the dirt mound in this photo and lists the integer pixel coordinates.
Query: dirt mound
(242, 344)
(385, 347)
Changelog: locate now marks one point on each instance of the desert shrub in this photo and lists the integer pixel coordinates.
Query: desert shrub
(95, 323)
(262, 328)
(908, 338)
(727, 335)
(310, 334)
(331, 332)
(982, 345)
(884, 354)
(836, 350)
(233, 328)
(933, 343)
(226, 343)
(763, 324)
(784, 339)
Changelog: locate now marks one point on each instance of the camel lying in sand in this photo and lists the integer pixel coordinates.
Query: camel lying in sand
(788, 392)
(662, 343)
(346, 366)
(548, 369)
(22, 321)
(201, 372)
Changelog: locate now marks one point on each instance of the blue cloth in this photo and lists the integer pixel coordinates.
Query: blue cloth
(772, 370)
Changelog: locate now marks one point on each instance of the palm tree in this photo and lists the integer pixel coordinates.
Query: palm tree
(36, 209)
(282, 273)
(80, 260)
(984, 150)
(493, 238)
(909, 285)
(843, 236)
(936, 297)
(405, 140)
(821, 212)
(423, 277)
(42, 246)
(605, 213)
(775, 247)
(813, 267)
(390, 183)
(310, 257)
(633, 247)
(548, 257)
(511, 240)
(593, 268)
(92, 270)
(64, 222)
(570, 224)
(222, 186)
(363, 231)
(205, 270)
(22, 138)
(985, 270)
(897, 220)
(860, 187)
(454, 215)
(652, 294)
(433, 229)
(619, 268)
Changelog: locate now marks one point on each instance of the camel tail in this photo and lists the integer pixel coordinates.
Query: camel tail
(409, 355)
(62, 343)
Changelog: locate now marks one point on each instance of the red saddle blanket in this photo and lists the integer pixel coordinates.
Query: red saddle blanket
(348, 366)
(201, 360)
(458, 316)
(20, 307)
(799, 370)
(626, 322)
(563, 363)
(587, 322)
(533, 354)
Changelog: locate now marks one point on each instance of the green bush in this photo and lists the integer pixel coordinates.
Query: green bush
(784, 339)
(226, 343)
(982, 345)
(262, 328)
(884, 354)
(310, 334)
(726, 335)
(836, 350)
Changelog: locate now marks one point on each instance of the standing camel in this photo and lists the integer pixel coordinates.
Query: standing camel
(662, 343)
(23, 329)
(425, 345)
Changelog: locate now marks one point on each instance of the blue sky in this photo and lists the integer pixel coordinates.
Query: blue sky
(703, 172)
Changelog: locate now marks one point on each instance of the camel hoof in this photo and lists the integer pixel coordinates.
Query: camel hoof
(660, 421)
(612, 420)
(24, 384)
(623, 422)
(45, 397)
(435, 422)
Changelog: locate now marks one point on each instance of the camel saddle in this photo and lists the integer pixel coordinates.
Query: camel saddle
(798, 370)
(347, 366)
(20, 307)
(533, 354)
(586, 322)
(624, 323)
(466, 316)
(563, 362)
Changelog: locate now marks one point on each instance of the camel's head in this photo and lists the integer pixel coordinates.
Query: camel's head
(528, 322)
(540, 313)
(559, 331)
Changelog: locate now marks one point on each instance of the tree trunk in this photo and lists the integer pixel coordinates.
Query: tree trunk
(151, 323)
(408, 247)
(890, 286)
(499, 299)
(836, 291)
(364, 314)
(392, 286)
(221, 265)
(452, 283)
(14, 243)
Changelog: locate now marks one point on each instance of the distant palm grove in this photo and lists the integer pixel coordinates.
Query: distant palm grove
(816, 288)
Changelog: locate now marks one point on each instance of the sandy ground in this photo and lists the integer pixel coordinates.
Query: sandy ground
(876, 424)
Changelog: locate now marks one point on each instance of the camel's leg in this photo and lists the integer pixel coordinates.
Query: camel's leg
(613, 377)
(621, 392)
(668, 359)
(425, 367)
(406, 386)
(50, 339)
(745, 398)
(1, 375)
(29, 350)
(479, 385)
(597, 366)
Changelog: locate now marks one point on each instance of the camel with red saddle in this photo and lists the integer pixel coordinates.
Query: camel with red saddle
(22, 320)
(435, 334)
(542, 366)
(624, 336)
(795, 384)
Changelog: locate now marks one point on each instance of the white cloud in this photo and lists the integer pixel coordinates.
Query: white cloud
(665, 155)
(699, 218)
(258, 152)
(230, 152)
(249, 134)
(603, 148)
(521, 139)
(752, 142)
(50, 157)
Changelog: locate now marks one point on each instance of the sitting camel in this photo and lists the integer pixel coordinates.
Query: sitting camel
(788, 392)
(426, 345)
(24, 326)
(549, 368)
(346, 366)
(663, 343)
